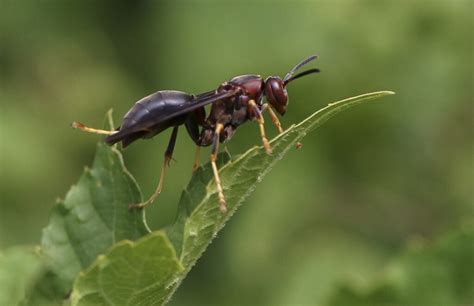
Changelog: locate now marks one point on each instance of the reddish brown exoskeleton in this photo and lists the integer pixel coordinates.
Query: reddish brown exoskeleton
(234, 102)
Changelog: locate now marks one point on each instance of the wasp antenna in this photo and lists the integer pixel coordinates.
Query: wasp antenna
(302, 74)
(298, 66)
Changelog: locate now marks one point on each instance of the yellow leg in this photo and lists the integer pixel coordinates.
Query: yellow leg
(82, 127)
(266, 143)
(197, 159)
(215, 149)
(166, 164)
(276, 122)
(273, 116)
(261, 122)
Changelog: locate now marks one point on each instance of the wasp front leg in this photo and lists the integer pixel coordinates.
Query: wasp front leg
(273, 116)
(276, 122)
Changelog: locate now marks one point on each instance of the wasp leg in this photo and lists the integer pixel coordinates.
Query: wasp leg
(83, 127)
(273, 116)
(261, 122)
(166, 164)
(276, 122)
(197, 159)
(215, 149)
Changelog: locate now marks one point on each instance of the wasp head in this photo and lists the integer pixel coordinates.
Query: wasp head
(276, 93)
(275, 87)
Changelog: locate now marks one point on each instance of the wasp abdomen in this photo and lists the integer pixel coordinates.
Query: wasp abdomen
(140, 120)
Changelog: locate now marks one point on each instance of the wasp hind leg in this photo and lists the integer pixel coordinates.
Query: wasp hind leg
(197, 159)
(85, 128)
(166, 164)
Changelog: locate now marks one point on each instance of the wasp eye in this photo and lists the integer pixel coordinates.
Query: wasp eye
(276, 94)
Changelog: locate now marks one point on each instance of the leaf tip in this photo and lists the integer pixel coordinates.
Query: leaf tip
(110, 112)
(109, 119)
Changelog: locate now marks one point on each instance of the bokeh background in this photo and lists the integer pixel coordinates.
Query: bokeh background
(365, 187)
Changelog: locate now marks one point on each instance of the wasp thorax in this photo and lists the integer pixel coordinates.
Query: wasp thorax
(276, 94)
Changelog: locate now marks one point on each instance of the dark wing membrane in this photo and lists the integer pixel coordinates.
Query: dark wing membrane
(200, 101)
(140, 128)
(207, 93)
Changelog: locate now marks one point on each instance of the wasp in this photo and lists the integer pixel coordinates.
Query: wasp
(233, 103)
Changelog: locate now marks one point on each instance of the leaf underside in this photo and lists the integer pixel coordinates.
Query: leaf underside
(94, 215)
(132, 273)
(94, 219)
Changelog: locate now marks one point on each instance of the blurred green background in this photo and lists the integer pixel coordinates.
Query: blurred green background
(367, 185)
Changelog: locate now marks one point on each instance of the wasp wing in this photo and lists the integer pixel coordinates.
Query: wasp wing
(144, 119)
(200, 101)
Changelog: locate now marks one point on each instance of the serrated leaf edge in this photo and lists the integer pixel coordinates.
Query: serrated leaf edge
(102, 259)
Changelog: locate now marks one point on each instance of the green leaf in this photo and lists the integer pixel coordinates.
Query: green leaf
(19, 270)
(140, 273)
(199, 219)
(47, 290)
(93, 216)
(149, 271)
